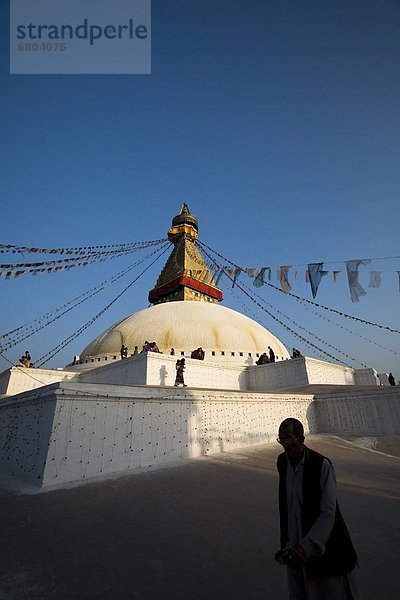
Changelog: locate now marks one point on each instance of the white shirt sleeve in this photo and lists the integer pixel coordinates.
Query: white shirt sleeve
(316, 538)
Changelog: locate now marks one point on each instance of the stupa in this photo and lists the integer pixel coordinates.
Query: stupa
(105, 415)
(186, 313)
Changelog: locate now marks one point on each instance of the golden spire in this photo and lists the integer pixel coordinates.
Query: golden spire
(185, 223)
(185, 275)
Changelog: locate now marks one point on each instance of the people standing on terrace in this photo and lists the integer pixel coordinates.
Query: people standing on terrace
(180, 367)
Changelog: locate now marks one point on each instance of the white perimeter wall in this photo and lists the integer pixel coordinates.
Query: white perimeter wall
(366, 377)
(298, 372)
(60, 437)
(56, 436)
(278, 376)
(128, 371)
(19, 379)
(359, 412)
(159, 370)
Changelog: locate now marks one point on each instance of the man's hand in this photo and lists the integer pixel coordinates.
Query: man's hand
(294, 557)
(297, 557)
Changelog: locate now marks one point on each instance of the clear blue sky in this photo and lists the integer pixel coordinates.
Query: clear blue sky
(276, 121)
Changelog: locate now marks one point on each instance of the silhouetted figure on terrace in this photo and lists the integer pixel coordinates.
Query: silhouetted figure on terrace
(180, 367)
(271, 354)
(263, 360)
(26, 360)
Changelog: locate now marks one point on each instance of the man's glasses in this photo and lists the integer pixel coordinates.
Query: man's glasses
(283, 439)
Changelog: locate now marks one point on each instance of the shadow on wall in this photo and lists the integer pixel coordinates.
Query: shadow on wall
(229, 425)
(25, 433)
(163, 375)
(197, 374)
(243, 380)
(311, 419)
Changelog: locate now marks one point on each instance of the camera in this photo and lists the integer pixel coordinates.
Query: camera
(293, 556)
(284, 556)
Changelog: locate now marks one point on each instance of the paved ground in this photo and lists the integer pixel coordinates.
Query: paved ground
(203, 530)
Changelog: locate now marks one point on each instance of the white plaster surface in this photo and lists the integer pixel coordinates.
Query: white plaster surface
(185, 326)
(321, 372)
(278, 375)
(366, 377)
(129, 371)
(200, 374)
(19, 379)
(66, 433)
(298, 372)
(159, 370)
(59, 436)
(384, 379)
(368, 412)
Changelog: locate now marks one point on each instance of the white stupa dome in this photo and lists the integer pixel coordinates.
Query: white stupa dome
(186, 314)
(222, 332)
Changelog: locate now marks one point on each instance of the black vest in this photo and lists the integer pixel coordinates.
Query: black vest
(339, 557)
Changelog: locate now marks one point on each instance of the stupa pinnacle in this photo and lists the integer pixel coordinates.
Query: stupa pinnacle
(185, 275)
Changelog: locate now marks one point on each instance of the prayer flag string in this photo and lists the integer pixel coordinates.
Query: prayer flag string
(14, 249)
(292, 331)
(53, 266)
(28, 329)
(49, 355)
(313, 303)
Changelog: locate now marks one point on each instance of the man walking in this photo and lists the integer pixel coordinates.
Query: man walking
(315, 542)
